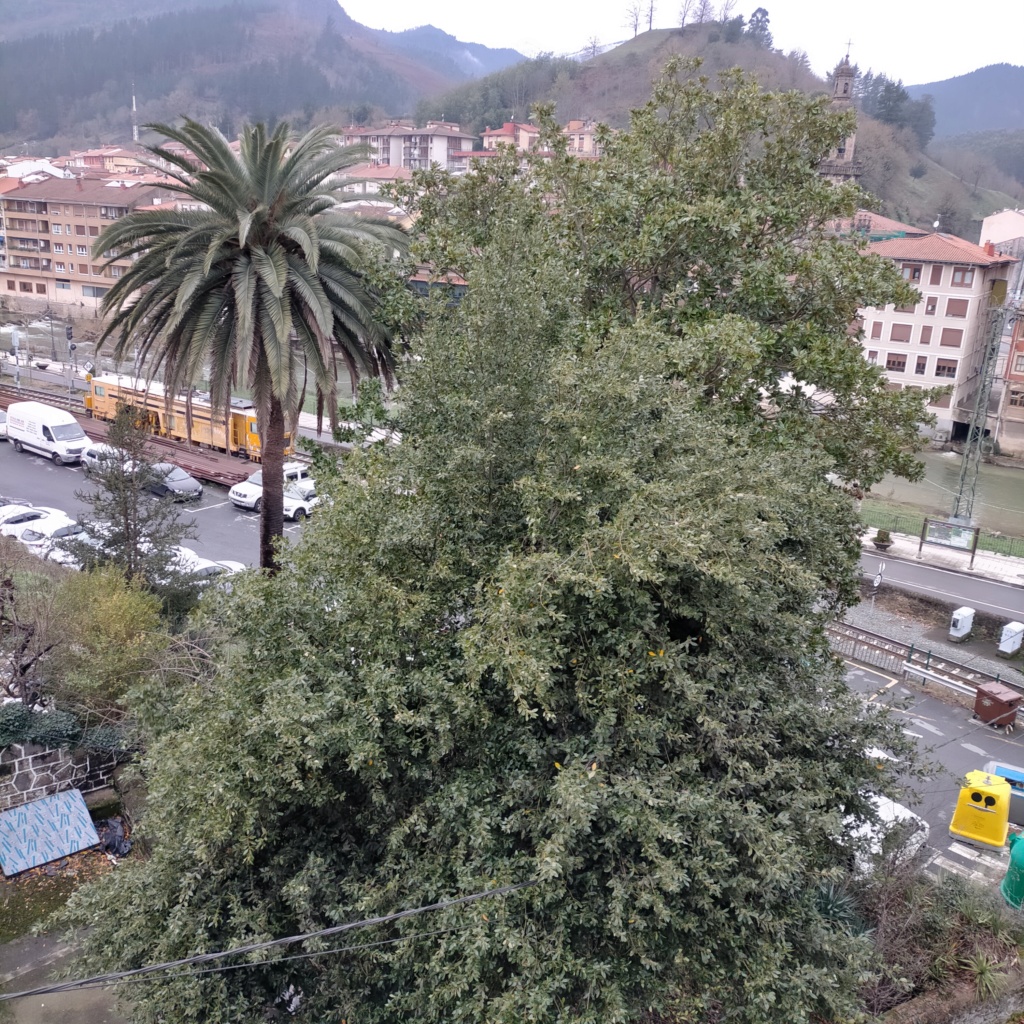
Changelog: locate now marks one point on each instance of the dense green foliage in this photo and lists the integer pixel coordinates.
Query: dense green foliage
(570, 630)
(219, 290)
(887, 101)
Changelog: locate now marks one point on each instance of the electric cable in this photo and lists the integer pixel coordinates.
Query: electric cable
(254, 947)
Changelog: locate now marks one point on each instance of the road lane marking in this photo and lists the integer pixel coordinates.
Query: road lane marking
(921, 724)
(203, 508)
(974, 750)
(916, 735)
(976, 855)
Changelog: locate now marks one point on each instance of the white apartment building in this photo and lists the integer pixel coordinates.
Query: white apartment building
(939, 340)
(400, 144)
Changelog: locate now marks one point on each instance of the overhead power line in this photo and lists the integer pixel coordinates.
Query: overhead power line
(138, 972)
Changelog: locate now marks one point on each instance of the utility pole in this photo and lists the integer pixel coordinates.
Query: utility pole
(998, 314)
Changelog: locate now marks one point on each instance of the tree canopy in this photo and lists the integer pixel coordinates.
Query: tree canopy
(570, 630)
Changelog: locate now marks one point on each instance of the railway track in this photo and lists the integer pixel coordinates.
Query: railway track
(884, 652)
(203, 463)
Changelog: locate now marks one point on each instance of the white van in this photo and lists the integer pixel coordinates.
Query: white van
(46, 430)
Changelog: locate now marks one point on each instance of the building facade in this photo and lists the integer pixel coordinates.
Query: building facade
(522, 137)
(940, 340)
(52, 227)
(841, 164)
(400, 144)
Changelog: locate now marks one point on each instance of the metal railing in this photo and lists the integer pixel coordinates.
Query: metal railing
(911, 525)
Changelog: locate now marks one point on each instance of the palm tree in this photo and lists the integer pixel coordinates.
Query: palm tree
(253, 281)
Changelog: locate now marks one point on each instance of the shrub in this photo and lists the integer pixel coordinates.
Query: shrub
(883, 537)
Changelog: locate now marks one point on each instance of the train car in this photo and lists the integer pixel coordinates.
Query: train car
(173, 417)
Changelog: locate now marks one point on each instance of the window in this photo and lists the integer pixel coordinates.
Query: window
(929, 305)
(94, 230)
(58, 247)
(59, 267)
(896, 361)
(71, 268)
(79, 229)
(10, 285)
(911, 271)
(926, 335)
(116, 271)
(25, 286)
(91, 291)
(97, 271)
(945, 367)
(963, 277)
(905, 309)
(876, 330)
(922, 365)
(79, 211)
(1017, 398)
(67, 229)
(63, 285)
(40, 289)
(872, 356)
(1018, 364)
(83, 250)
(56, 229)
(101, 391)
(951, 337)
(936, 277)
(900, 332)
(957, 307)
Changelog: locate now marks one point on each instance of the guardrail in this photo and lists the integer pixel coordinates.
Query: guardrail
(11, 393)
(901, 659)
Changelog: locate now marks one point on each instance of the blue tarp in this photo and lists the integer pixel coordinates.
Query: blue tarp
(45, 830)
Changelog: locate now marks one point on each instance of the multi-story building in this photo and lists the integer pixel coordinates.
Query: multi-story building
(523, 137)
(1011, 400)
(108, 160)
(400, 144)
(580, 137)
(940, 339)
(52, 226)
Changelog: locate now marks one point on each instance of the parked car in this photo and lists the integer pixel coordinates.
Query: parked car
(3, 425)
(249, 493)
(43, 535)
(296, 507)
(98, 455)
(170, 481)
(14, 517)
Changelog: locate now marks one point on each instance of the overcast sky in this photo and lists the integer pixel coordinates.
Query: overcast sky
(915, 42)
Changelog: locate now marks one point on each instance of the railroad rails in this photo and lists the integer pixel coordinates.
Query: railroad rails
(900, 658)
(209, 466)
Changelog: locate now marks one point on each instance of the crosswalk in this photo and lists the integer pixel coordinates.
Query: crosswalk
(957, 858)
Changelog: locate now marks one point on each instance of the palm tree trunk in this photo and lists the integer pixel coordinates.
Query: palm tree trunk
(272, 509)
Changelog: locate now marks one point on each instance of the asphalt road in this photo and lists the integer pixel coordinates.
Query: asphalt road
(947, 734)
(1001, 599)
(223, 531)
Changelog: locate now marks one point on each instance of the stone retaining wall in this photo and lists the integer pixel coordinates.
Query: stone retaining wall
(29, 772)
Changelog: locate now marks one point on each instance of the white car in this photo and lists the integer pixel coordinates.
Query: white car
(3, 425)
(296, 506)
(98, 455)
(191, 562)
(43, 535)
(14, 517)
(249, 493)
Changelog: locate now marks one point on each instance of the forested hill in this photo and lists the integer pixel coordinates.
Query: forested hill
(218, 62)
(989, 99)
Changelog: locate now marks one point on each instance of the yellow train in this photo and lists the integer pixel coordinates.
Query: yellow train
(172, 417)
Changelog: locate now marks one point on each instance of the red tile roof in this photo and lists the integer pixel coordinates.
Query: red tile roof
(939, 248)
(509, 128)
(865, 222)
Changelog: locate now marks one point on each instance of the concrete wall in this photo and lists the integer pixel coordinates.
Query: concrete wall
(29, 772)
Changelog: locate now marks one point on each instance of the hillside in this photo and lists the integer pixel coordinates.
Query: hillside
(989, 99)
(216, 61)
(609, 85)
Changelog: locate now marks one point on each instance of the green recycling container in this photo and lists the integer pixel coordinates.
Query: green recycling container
(1012, 886)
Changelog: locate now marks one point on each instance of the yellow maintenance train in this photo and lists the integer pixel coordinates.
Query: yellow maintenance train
(178, 417)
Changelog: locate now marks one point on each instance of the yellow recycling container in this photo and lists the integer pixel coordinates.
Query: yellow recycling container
(982, 815)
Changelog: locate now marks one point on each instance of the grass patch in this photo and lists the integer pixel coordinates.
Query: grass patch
(25, 903)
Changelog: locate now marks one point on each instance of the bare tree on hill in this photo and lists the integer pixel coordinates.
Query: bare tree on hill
(633, 14)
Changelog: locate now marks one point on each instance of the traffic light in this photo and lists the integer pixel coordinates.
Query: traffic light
(69, 332)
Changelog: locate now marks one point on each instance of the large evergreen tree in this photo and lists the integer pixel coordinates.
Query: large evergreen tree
(256, 278)
(570, 630)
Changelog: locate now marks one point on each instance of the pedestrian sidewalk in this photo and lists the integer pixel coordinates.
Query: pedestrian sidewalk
(987, 564)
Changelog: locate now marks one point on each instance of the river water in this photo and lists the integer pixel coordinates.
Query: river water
(999, 497)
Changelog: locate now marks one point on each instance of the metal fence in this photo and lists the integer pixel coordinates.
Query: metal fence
(912, 525)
